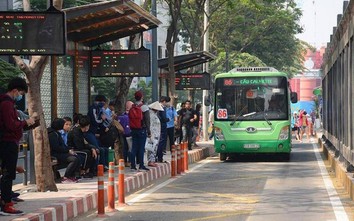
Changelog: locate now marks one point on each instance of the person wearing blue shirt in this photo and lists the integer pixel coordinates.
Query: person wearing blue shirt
(171, 114)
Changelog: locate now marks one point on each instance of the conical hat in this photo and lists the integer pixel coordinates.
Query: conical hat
(156, 106)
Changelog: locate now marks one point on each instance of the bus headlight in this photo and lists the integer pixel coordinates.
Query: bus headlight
(218, 134)
(284, 133)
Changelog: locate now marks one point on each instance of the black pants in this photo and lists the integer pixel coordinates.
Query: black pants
(9, 156)
(72, 162)
(162, 144)
(171, 136)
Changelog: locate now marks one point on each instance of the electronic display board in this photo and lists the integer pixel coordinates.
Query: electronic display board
(192, 81)
(32, 33)
(120, 63)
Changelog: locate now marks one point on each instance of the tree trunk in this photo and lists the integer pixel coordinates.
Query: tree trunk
(43, 167)
(123, 83)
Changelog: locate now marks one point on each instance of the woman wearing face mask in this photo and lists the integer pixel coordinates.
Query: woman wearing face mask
(97, 118)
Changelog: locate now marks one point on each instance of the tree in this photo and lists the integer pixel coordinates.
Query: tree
(34, 73)
(174, 7)
(7, 71)
(265, 29)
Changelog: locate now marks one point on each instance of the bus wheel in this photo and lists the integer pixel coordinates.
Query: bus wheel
(222, 156)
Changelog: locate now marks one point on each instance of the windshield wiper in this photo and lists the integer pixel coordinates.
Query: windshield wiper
(236, 118)
(264, 115)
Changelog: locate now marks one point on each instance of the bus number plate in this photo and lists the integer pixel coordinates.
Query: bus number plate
(251, 146)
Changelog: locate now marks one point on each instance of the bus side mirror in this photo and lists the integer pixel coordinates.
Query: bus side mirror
(207, 101)
(293, 97)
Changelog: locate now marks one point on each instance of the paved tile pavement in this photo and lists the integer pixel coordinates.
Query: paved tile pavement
(75, 199)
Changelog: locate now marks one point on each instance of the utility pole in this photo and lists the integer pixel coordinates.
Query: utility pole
(206, 69)
(154, 74)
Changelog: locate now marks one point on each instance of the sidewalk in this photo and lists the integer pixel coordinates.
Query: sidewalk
(75, 199)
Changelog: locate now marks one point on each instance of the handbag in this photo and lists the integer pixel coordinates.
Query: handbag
(149, 145)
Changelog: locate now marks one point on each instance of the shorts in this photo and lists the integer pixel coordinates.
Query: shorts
(294, 129)
(303, 127)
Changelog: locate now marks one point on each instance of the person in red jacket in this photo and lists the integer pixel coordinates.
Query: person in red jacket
(11, 129)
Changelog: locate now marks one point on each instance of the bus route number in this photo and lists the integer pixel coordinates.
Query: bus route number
(222, 114)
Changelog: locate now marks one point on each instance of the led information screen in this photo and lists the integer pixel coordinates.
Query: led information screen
(193, 81)
(120, 63)
(243, 81)
(32, 33)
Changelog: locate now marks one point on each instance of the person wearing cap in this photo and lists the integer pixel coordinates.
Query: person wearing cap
(155, 126)
(139, 135)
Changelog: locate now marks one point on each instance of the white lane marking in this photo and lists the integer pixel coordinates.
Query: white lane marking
(337, 206)
(161, 185)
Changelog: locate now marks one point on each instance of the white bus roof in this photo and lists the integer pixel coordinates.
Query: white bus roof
(254, 69)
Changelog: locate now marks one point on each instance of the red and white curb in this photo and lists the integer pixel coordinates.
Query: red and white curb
(74, 207)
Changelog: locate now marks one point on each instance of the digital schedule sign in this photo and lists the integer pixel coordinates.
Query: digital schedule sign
(120, 63)
(192, 81)
(32, 33)
(243, 81)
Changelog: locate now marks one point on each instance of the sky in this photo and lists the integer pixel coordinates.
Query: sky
(318, 19)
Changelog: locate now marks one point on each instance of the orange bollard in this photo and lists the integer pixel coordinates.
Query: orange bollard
(186, 156)
(100, 193)
(182, 157)
(111, 196)
(173, 161)
(121, 189)
(178, 159)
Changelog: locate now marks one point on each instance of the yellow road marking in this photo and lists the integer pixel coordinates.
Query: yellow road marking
(220, 216)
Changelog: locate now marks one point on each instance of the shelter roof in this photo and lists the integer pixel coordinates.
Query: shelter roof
(97, 23)
(187, 60)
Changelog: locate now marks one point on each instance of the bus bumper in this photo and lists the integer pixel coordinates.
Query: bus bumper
(237, 146)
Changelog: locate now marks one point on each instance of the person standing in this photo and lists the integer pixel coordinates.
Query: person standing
(139, 123)
(171, 114)
(196, 125)
(188, 117)
(124, 121)
(163, 122)
(11, 129)
(154, 141)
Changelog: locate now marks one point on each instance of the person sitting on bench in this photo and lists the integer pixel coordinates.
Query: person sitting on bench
(64, 155)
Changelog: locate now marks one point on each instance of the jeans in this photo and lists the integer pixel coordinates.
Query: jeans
(126, 152)
(138, 148)
(171, 135)
(195, 134)
(162, 144)
(9, 156)
(187, 135)
(72, 163)
(103, 157)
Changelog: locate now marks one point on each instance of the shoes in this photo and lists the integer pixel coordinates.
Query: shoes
(9, 210)
(68, 180)
(14, 194)
(195, 145)
(144, 168)
(133, 169)
(88, 175)
(151, 164)
(16, 200)
(105, 169)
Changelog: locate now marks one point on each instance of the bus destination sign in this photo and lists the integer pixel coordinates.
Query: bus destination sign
(244, 81)
(120, 63)
(193, 81)
(32, 33)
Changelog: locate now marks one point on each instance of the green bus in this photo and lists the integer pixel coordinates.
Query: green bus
(252, 112)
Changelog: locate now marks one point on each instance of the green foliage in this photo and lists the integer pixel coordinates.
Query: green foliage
(104, 86)
(8, 71)
(263, 29)
(41, 5)
(235, 59)
(146, 89)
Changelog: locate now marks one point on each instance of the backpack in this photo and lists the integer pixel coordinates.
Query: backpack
(136, 117)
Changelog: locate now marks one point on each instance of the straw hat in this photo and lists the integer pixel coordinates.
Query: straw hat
(156, 106)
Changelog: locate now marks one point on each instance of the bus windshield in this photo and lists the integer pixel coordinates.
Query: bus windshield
(251, 98)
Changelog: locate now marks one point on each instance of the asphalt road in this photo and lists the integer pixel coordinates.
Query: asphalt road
(252, 189)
